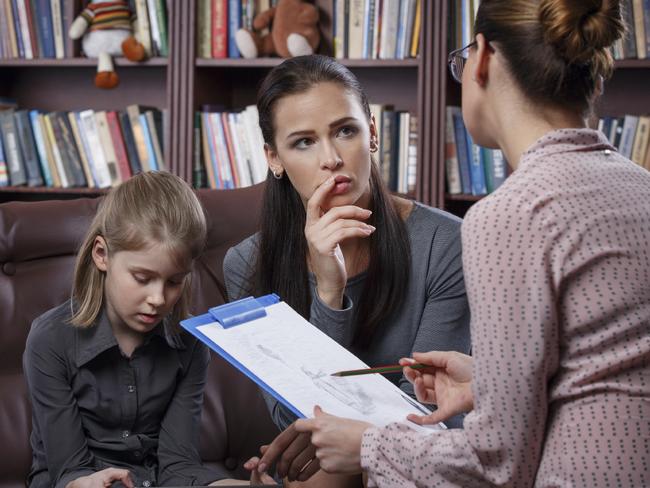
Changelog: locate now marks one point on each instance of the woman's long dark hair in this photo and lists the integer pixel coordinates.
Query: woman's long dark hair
(282, 260)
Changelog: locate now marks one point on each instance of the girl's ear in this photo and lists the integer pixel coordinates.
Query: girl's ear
(483, 54)
(273, 160)
(100, 253)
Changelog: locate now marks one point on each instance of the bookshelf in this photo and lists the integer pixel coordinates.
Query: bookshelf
(183, 83)
(625, 93)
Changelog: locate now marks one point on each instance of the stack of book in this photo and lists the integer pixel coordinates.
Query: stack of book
(462, 14)
(630, 134)
(33, 29)
(218, 22)
(229, 148)
(94, 149)
(377, 29)
(636, 43)
(470, 168)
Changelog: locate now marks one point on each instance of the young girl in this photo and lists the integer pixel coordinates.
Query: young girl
(558, 269)
(116, 386)
(380, 274)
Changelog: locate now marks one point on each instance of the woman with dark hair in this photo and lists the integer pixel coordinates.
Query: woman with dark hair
(557, 264)
(379, 274)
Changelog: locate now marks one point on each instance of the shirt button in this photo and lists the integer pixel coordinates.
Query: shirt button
(126, 434)
(131, 388)
(608, 152)
(146, 483)
(137, 454)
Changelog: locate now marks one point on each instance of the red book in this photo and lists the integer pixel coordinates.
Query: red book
(231, 150)
(219, 29)
(123, 165)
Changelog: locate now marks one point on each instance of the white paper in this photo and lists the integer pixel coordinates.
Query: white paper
(296, 360)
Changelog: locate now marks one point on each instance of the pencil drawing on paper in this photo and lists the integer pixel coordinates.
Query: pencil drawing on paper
(354, 396)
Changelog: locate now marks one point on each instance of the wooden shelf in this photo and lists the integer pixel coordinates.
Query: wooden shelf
(632, 63)
(53, 191)
(463, 197)
(75, 63)
(271, 62)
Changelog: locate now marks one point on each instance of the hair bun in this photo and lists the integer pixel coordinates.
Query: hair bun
(581, 30)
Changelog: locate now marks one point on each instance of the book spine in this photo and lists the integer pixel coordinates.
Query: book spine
(11, 29)
(451, 156)
(477, 171)
(4, 171)
(204, 28)
(54, 135)
(219, 29)
(154, 30)
(211, 151)
(199, 176)
(234, 170)
(13, 154)
(101, 172)
(71, 156)
(143, 33)
(84, 148)
(355, 29)
(629, 45)
(57, 28)
(161, 13)
(123, 167)
(234, 23)
(129, 143)
(461, 147)
(146, 132)
(40, 147)
(28, 147)
(81, 149)
(499, 168)
(43, 16)
(24, 29)
(154, 123)
(639, 29)
(417, 27)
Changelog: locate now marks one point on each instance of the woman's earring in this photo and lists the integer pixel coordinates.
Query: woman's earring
(374, 147)
(278, 175)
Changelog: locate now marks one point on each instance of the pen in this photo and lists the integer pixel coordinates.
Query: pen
(395, 368)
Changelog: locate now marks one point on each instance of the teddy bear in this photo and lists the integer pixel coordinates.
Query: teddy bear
(294, 31)
(107, 30)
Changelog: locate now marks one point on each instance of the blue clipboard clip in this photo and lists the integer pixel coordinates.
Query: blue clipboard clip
(244, 310)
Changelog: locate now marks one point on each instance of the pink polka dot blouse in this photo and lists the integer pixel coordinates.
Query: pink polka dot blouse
(557, 269)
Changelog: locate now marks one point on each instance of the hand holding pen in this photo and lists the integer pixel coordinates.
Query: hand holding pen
(442, 378)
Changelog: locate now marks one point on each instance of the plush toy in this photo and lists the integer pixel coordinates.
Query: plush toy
(294, 31)
(107, 31)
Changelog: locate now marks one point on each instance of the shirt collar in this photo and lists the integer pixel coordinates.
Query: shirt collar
(566, 140)
(94, 340)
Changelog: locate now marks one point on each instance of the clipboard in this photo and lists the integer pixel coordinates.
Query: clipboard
(267, 341)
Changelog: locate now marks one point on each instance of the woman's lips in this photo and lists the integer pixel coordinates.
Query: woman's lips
(342, 185)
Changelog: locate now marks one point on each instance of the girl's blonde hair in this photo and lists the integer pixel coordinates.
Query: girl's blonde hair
(152, 207)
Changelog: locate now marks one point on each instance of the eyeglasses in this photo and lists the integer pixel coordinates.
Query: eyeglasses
(456, 61)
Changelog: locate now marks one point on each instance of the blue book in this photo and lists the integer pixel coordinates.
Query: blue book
(462, 151)
(153, 162)
(295, 362)
(43, 17)
(208, 134)
(18, 30)
(40, 147)
(477, 173)
(4, 172)
(234, 24)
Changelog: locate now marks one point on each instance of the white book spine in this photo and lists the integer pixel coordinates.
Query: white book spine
(24, 29)
(88, 125)
(57, 29)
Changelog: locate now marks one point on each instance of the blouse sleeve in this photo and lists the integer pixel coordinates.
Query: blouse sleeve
(55, 409)
(509, 276)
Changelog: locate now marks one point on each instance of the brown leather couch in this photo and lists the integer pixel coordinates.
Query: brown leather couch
(38, 241)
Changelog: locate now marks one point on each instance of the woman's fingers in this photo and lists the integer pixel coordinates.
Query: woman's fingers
(300, 462)
(110, 475)
(293, 453)
(315, 202)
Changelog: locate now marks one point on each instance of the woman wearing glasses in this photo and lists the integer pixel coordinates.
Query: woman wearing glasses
(557, 267)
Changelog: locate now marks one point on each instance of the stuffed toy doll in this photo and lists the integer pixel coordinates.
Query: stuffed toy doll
(294, 31)
(107, 30)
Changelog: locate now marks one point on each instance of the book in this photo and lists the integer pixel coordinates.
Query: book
(129, 143)
(39, 139)
(58, 161)
(123, 167)
(641, 140)
(138, 136)
(4, 172)
(17, 174)
(462, 150)
(68, 149)
(28, 148)
(219, 29)
(81, 148)
(294, 361)
(234, 23)
(97, 160)
(51, 161)
(148, 143)
(106, 142)
(451, 156)
(143, 29)
(154, 124)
